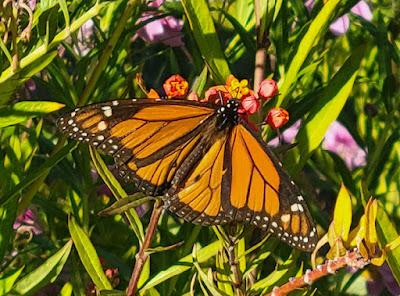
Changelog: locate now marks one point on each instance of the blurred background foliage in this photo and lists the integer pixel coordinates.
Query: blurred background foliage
(337, 67)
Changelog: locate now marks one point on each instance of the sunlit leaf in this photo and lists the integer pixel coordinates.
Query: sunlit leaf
(203, 29)
(88, 255)
(7, 281)
(45, 274)
(342, 214)
(22, 111)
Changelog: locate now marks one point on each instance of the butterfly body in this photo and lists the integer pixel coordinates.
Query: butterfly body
(208, 164)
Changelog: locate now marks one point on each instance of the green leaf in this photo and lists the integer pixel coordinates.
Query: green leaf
(22, 111)
(310, 39)
(64, 9)
(45, 274)
(200, 82)
(203, 29)
(8, 214)
(7, 282)
(125, 204)
(43, 169)
(282, 272)
(87, 254)
(342, 214)
(327, 107)
(247, 39)
(183, 265)
(387, 233)
(118, 192)
(11, 82)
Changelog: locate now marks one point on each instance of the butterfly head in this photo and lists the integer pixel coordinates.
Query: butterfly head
(227, 114)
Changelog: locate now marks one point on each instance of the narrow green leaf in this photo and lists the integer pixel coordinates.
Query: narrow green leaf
(203, 29)
(183, 265)
(8, 214)
(125, 204)
(310, 39)
(87, 254)
(247, 39)
(282, 272)
(342, 214)
(7, 282)
(22, 111)
(64, 9)
(387, 233)
(117, 190)
(15, 79)
(43, 169)
(200, 82)
(45, 274)
(327, 107)
(209, 284)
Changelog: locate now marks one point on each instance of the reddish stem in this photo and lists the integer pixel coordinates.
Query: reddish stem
(141, 256)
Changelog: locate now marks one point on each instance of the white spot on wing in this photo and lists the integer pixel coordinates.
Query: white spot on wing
(102, 125)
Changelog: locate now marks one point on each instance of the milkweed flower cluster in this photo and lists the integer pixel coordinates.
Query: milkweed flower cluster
(165, 29)
(176, 87)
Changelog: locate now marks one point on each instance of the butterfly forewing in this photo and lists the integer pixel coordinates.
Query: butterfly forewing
(148, 139)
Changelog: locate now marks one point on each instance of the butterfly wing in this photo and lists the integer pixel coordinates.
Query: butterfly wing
(261, 192)
(239, 179)
(148, 139)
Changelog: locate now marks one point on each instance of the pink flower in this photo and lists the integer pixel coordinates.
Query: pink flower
(85, 38)
(249, 104)
(166, 30)
(268, 89)
(341, 25)
(339, 141)
(28, 222)
(288, 135)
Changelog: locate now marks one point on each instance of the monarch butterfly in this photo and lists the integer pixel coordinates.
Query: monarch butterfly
(210, 166)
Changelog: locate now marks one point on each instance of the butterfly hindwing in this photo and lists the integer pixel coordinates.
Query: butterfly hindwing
(262, 194)
(148, 139)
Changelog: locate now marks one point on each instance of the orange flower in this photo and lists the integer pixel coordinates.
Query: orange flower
(277, 117)
(176, 87)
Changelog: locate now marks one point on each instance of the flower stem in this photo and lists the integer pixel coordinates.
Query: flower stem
(141, 256)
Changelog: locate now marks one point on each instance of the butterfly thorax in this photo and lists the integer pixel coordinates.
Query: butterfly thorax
(227, 114)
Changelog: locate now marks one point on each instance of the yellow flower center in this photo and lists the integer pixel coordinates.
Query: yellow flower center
(238, 89)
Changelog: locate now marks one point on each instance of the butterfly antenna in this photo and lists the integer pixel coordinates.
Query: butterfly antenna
(220, 97)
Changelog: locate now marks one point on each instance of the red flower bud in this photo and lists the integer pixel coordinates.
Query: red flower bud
(249, 105)
(176, 86)
(268, 89)
(277, 117)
